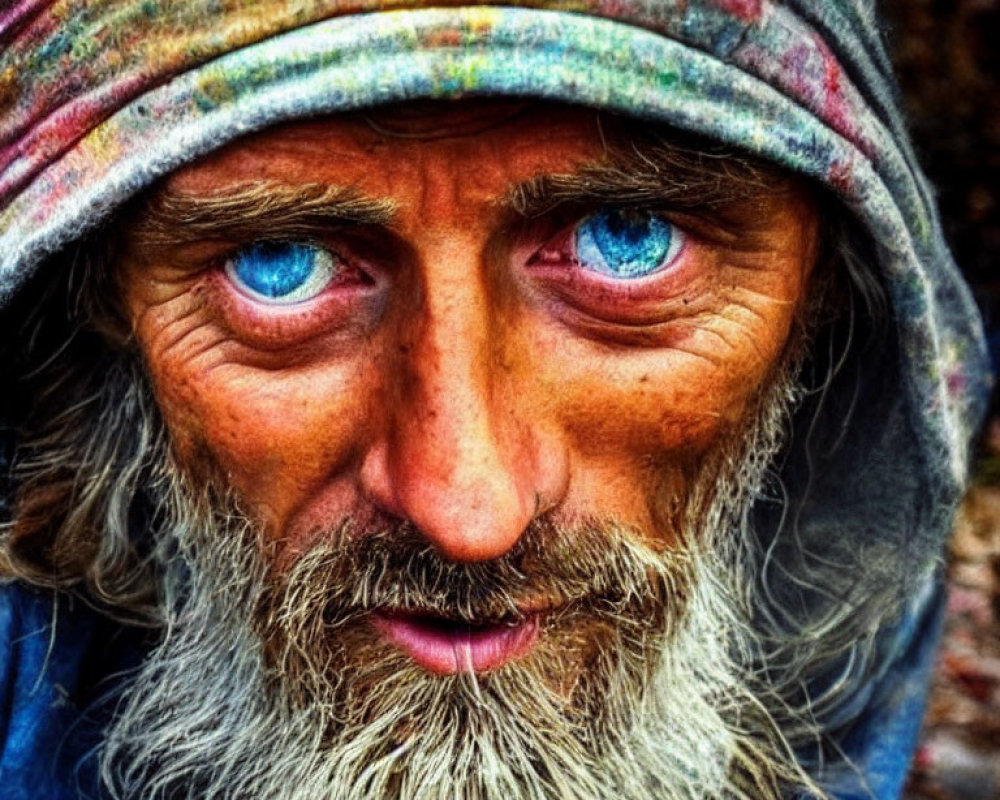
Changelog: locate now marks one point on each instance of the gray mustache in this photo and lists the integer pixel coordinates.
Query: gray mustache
(552, 567)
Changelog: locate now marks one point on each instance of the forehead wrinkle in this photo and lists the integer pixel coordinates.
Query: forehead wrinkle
(169, 216)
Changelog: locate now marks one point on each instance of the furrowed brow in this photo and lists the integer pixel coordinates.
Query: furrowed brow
(658, 175)
(254, 210)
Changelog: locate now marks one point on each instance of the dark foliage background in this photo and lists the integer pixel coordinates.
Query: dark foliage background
(947, 54)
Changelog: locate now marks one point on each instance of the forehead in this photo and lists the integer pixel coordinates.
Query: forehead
(484, 143)
(474, 161)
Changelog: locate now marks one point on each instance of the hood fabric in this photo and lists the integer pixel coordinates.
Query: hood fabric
(98, 99)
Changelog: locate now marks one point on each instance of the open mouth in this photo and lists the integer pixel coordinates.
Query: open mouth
(445, 646)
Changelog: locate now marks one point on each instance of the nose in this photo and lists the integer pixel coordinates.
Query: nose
(455, 459)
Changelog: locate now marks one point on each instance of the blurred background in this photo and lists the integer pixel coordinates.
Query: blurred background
(947, 54)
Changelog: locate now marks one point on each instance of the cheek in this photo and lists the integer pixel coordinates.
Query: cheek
(678, 400)
(641, 422)
(650, 404)
(271, 435)
(644, 430)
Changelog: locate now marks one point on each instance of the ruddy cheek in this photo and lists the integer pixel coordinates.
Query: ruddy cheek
(677, 414)
(272, 437)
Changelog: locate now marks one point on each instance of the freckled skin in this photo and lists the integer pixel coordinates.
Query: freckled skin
(462, 388)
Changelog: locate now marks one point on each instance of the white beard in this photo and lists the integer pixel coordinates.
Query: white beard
(663, 708)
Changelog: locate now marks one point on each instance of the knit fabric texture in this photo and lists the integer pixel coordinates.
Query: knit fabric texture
(99, 99)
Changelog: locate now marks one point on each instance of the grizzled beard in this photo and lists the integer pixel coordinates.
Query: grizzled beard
(272, 686)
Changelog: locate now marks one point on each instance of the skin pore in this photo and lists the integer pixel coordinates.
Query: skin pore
(460, 371)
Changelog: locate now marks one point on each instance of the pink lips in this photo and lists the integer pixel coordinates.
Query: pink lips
(445, 647)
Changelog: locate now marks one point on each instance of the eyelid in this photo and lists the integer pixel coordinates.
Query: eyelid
(583, 298)
(721, 224)
(344, 309)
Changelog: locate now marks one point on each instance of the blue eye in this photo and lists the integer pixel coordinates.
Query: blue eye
(625, 243)
(281, 272)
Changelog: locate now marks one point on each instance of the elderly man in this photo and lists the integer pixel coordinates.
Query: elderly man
(564, 401)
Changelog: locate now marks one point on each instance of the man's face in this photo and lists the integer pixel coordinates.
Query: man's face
(463, 363)
(492, 363)
(459, 366)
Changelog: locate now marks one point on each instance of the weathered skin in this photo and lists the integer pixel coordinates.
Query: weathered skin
(448, 379)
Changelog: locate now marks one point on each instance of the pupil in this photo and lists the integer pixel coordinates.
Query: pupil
(275, 270)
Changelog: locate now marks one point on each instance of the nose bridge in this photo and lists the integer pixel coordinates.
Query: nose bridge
(447, 381)
(456, 464)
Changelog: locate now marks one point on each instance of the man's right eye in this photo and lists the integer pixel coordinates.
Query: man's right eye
(282, 272)
(625, 244)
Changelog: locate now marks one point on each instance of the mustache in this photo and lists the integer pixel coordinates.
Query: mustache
(552, 567)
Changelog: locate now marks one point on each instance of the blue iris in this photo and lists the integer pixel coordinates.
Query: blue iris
(625, 243)
(280, 271)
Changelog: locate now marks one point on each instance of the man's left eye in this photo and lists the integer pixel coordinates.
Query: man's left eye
(626, 244)
(281, 272)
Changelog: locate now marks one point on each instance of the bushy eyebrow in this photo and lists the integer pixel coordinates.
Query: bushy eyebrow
(653, 173)
(251, 210)
(647, 170)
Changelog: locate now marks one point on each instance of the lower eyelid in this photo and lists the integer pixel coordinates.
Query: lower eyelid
(345, 311)
(554, 267)
(639, 301)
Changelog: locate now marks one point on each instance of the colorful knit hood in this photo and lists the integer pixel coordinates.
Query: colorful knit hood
(99, 98)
